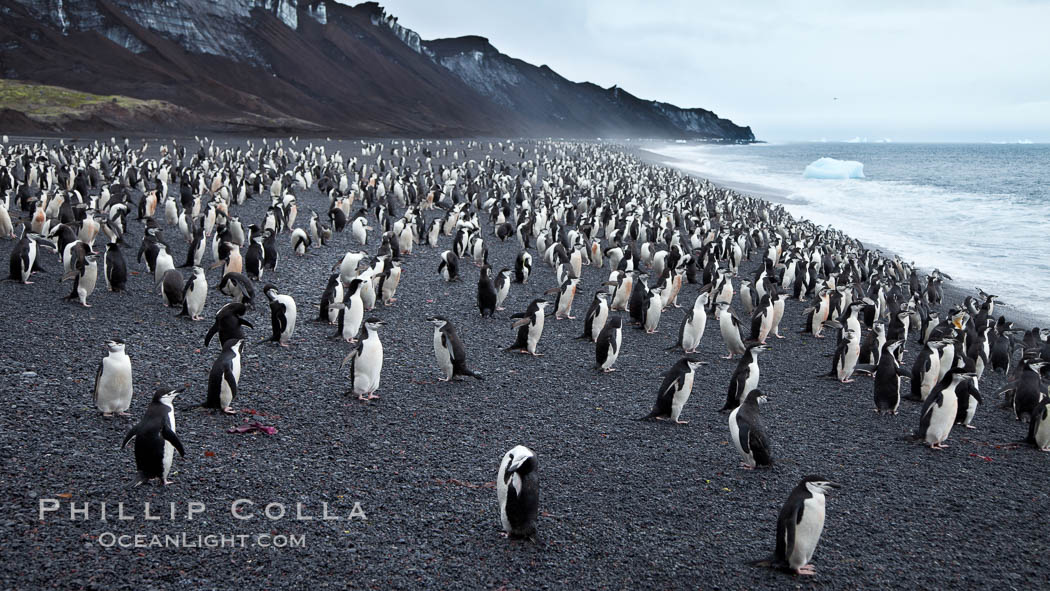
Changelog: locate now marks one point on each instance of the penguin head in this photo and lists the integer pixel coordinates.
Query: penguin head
(522, 461)
(166, 395)
(819, 484)
(373, 323)
(438, 321)
(692, 362)
(756, 397)
(115, 345)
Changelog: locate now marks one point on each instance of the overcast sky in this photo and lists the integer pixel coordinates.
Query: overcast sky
(791, 70)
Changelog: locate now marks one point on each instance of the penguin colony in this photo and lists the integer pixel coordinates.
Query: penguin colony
(652, 240)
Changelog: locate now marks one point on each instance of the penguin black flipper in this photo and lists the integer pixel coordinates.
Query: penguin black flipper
(211, 332)
(927, 413)
(173, 439)
(664, 397)
(681, 331)
(131, 433)
(278, 320)
(98, 376)
(759, 444)
(744, 433)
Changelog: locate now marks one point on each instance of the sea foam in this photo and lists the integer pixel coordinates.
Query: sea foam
(830, 168)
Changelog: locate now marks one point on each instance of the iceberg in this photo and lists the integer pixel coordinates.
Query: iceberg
(830, 168)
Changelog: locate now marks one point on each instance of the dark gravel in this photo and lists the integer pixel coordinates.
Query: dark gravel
(624, 504)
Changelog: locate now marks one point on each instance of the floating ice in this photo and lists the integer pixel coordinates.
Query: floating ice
(830, 168)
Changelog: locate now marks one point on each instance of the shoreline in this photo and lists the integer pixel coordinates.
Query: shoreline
(953, 292)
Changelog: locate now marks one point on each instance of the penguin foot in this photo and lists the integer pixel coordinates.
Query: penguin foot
(86, 305)
(362, 397)
(1044, 449)
(807, 570)
(681, 422)
(609, 369)
(730, 356)
(780, 336)
(969, 426)
(373, 396)
(107, 414)
(847, 381)
(746, 466)
(229, 410)
(818, 336)
(123, 414)
(164, 482)
(536, 354)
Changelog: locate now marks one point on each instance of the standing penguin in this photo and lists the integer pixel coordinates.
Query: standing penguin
(24, 256)
(730, 327)
(351, 311)
(566, 295)
(530, 328)
(449, 351)
(194, 295)
(799, 525)
(1039, 426)
(888, 376)
(745, 429)
(366, 362)
(84, 277)
(503, 280)
(925, 370)
(522, 267)
(113, 383)
(940, 409)
(115, 267)
(153, 436)
(607, 347)
(282, 315)
(597, 315)
(487, 296)
(693, 325)
(518, 492)
(448, 268)
(846, 354)
(745, 377)
(224, 377)
(674, 391)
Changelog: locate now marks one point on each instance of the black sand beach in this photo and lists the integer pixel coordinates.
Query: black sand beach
(624, 504)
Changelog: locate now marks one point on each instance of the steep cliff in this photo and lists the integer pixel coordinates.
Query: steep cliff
(314, 66)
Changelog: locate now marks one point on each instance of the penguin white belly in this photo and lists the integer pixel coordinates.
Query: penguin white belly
(86, 285)
(971, 410)
(169, 449)
(352, 321)
(535, 330)
(443, 355)
(614, 353)
(942, 417)
(368, 369)
(698, 325)
(196, 297)
(807, 532)
(225, 393)
(681, 396)
(929, 379)
(1042, 435)
(734, 434)
(289, 315)
(115, 387)
(652, 315)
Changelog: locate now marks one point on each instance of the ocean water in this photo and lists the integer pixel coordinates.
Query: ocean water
(978, 212)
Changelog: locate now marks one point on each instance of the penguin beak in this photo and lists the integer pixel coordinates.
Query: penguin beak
(832, 484)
